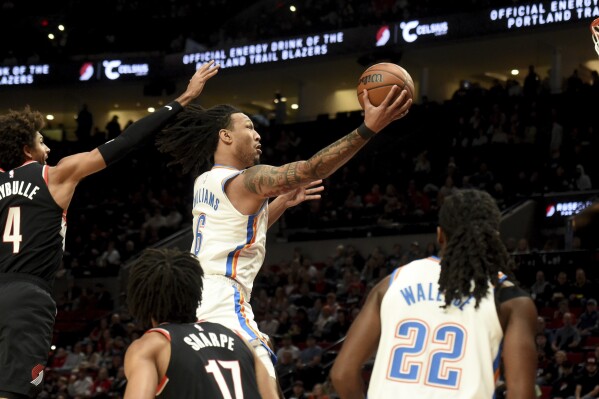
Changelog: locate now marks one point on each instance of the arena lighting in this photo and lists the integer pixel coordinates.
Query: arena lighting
(294, 106)
(514, 72)
(50, 117)
(61, 27)
(151, 109)
(51, 36)
(292, 8)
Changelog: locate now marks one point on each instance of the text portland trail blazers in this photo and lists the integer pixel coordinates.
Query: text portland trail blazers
(207, 361)
(32, 225)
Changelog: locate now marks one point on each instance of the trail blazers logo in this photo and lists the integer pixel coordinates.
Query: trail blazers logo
(37, 373)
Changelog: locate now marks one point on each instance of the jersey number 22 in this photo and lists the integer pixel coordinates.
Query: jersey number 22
(447, 343)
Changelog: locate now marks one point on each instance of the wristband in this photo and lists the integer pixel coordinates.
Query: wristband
(365, 132)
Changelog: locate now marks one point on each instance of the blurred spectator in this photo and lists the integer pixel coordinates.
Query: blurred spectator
(582, 288)
(286, 369)
(113, 128)
(587, 385)
(84, 125)
(311, 350)
(583, 181)
(587, 321)
(318, 392)
(288, 346)
(269, 324)
(540, 290)
(566, 337)
(81, 382)
(564, 386)
(102, 384)
(298, 391)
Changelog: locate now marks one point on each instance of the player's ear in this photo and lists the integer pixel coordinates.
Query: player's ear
(225, 135)
(27, 152)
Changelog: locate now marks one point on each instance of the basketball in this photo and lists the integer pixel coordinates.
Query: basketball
(380, 78)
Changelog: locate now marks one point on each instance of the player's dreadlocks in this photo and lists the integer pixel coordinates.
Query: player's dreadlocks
(164, 285)
(17, 129)
(474, 253)
(191, 139)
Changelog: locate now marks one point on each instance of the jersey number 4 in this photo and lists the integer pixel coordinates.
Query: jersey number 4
(12, 230)
(443, 347)
(233, 366)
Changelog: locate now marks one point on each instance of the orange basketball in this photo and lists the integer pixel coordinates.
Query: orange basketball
(380, 78)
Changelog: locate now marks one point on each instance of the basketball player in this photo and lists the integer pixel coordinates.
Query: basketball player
(230, 205)
(179, 357)
(439, 324)
(34, 198)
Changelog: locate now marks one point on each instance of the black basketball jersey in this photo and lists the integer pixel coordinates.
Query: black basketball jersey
(208, 360)
(32, 225)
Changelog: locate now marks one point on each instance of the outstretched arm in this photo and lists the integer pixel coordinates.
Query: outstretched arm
(293, 198)
(268, 181)
(70, 170)
(361, 343)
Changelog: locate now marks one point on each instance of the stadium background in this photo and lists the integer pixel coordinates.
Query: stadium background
(473, 121)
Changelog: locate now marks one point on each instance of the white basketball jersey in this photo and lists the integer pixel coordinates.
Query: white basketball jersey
(428, 352)
(226, 242)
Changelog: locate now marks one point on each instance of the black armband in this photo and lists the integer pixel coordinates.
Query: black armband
(114, 150)
(365, 132)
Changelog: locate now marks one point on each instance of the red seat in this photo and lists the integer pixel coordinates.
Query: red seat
(591, 341)
(546, 391)
(575, 357)
(547, 312)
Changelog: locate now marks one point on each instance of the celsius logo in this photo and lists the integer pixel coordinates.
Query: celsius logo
(383, 35)
(412, 29)
(113, 69)
(86, 71)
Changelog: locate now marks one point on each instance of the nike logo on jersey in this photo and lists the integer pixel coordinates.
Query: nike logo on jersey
(169, 107)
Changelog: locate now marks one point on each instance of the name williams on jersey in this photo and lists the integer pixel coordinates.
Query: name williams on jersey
(18, 187)
(207, 197)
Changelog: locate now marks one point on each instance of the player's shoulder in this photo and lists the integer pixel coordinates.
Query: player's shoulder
(148, 344)
(507, 290)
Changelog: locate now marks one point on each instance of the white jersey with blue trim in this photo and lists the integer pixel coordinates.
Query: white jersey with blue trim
(428, 352)
(226, 242)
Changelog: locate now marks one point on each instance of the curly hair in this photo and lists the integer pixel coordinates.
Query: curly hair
(18, 129)
(191, 139)
(165, 285)
(475, 253)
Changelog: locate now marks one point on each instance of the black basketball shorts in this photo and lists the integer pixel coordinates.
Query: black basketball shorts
(27, 314)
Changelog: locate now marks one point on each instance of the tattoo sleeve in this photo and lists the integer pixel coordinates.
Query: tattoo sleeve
(270, 181)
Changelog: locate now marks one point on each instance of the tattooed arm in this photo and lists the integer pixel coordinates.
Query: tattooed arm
(248, 191)
(269, 181)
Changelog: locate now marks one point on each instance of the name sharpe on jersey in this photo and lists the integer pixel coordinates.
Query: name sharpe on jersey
(18, 187)
(206, 197)
(200, 340)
